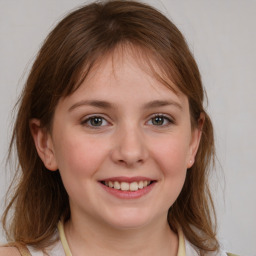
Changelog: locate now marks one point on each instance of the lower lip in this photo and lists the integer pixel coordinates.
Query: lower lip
(128, 194)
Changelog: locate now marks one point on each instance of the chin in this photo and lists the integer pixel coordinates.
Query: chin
(130, 219)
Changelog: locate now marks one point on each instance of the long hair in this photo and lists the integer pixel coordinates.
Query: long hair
(66, 57)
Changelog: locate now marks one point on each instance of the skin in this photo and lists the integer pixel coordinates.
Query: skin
(9, 251)
(129, 142)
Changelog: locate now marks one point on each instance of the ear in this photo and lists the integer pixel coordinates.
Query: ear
(44, 144)
(195, 140)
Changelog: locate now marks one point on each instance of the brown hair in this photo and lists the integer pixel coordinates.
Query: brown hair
(72, 49)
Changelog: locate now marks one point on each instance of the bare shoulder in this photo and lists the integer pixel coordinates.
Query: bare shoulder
(9, 251)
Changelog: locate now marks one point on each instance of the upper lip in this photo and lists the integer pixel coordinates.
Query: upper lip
(128, 179)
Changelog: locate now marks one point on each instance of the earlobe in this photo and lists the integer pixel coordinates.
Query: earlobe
(195, 140)
(43, 144)
(190, 163)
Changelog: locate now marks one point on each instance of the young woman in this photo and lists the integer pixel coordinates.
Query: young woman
(113, 141)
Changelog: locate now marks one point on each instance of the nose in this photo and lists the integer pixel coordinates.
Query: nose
(130, 147)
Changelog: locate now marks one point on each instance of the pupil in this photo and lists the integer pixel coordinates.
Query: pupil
(158, 120)
(96, 121)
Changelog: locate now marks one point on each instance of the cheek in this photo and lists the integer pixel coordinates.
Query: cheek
(172, 155)
(79, 159)
(79, 156)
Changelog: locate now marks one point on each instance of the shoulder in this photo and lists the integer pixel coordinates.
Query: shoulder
(9, 251)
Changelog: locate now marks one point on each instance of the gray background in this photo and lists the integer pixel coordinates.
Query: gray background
(222, 36)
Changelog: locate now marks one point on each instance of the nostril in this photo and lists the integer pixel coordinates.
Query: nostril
(129, 156)
(130, 162)
(122, 162)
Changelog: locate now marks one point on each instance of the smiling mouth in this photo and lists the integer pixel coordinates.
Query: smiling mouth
(126, 186)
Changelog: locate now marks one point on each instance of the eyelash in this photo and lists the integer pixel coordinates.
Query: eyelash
(88, 121)
(165, 119)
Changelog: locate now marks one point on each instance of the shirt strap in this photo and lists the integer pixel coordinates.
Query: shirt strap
(63, 239)
(182, 248)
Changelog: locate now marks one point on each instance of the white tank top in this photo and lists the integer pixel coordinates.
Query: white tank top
(55, 250)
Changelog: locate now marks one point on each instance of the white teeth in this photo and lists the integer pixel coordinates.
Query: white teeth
(125, 186)
(134, 186)
(117, 185)
(141, 184)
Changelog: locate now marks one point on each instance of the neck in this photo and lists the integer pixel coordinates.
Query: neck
(89, 238)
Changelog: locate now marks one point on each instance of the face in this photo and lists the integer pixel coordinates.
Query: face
(122, 143)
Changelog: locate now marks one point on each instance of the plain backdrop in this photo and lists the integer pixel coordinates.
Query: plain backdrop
(222, 37)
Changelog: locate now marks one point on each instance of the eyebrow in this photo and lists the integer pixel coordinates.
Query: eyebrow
(93, 103)
(108, 105)
(162, 103)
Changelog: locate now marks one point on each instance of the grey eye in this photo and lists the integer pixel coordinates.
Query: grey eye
(158, 120)
(95, 121)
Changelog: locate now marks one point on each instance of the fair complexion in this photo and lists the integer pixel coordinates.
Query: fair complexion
(9, 251)
(121, 127)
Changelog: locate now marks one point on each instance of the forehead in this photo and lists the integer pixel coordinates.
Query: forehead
(127, 71)
(129, 57)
